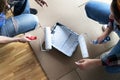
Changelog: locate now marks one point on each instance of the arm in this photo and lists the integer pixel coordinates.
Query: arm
(109, 26)
(108, 30)
(113, 60)
(4, 39)
(88, 63)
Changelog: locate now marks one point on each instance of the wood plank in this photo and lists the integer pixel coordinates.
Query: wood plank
(18, 62)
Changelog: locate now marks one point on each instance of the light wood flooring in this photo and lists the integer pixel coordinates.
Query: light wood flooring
(18, 62)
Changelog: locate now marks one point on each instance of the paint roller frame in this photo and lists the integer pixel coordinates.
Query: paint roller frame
(47, 37)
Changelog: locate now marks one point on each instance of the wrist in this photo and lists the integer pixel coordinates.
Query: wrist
(16, 40)
(98, 62)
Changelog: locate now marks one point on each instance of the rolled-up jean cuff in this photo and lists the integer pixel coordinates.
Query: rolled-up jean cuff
(110, 69)
(103, 58)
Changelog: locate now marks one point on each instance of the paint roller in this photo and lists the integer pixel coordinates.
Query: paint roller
(48, 44)
(83, 46)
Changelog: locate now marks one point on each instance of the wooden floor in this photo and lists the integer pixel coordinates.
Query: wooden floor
(18, 62)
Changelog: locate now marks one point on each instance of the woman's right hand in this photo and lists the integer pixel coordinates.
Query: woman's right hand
(101, 38)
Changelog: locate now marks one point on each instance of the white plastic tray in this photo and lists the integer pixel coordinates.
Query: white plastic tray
(64, 39)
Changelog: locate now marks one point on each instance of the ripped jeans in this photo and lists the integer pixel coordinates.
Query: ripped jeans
(19, 24)
(22, 22)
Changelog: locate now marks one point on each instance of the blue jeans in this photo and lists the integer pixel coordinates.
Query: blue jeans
(21, 7)
(99, 12)
(22, 22)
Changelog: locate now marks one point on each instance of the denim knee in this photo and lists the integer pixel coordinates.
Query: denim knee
(35, 19)
(95, 12)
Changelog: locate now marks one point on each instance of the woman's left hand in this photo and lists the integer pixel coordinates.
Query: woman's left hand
(85, 64)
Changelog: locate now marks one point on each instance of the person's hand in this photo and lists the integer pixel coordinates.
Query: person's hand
(41, 3)
(27, 38)
(24, 39)
(85, 64)
(101, 38)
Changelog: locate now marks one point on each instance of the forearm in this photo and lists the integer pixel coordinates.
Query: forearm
(98, 62)
(4, 39)
(88, 63)
(109, 26)
(107, 31)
